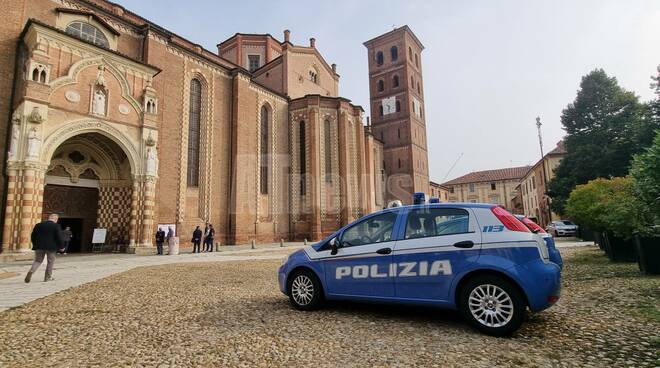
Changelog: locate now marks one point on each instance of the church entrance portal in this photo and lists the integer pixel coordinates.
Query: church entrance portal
(88, 183)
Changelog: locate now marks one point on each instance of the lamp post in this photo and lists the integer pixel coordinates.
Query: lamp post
(545, 177)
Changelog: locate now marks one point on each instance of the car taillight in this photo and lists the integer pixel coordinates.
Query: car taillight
(532, 225)
(508, 220)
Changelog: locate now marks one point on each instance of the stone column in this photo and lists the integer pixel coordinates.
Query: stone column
(24, 205)
(148, 202)
(133, 224)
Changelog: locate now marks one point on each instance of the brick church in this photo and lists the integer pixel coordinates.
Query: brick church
(117, 123)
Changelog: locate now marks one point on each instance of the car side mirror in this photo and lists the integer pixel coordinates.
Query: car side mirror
(334, 247)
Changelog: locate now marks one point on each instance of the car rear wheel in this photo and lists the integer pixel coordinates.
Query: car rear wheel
(305, 291)
(492, 304)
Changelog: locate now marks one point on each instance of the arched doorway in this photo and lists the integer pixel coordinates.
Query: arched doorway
(88, 183)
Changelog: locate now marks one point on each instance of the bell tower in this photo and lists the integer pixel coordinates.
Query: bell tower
(397, 110)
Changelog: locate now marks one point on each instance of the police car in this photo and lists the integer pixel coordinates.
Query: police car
(477, 258)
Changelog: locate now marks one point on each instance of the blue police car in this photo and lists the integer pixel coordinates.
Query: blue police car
(477, 258)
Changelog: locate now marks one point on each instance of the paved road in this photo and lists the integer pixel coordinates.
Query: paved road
(75, 270)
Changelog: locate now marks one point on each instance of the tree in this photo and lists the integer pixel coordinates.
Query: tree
(605, 126)
(645, 172)
(606, 205)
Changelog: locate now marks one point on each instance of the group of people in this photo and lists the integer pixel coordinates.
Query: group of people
(207, 237)
(47, 238)
(202, 241)
(161, 238)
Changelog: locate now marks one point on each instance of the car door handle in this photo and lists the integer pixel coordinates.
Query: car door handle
(464, 244)
(384, 251)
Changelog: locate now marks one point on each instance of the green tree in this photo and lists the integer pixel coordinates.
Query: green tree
(606, 204)
(605, 126)
(645, 172)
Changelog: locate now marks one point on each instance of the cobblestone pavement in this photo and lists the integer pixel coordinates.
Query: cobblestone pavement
(232, 314)
(74, 270)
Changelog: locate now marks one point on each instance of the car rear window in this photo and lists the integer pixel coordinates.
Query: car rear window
(427, 222)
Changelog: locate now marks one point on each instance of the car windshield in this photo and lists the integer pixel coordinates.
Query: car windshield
(566, 223)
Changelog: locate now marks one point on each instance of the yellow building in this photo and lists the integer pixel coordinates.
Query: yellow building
(488, 186)
(439, 191)
(533, 188)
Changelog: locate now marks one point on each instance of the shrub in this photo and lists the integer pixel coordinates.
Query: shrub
(645, 173)
(606, 205)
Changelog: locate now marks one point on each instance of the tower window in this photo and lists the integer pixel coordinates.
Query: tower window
(416, 61)
(493, 186)
(395, 81)
(398, 106)
(379, 58)
(380, 110)
(381, 85)
(253, 62)
(399, 163)
(394, 53)
(410, 53)
(412, 82)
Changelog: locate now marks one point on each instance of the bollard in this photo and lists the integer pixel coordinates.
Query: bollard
(281, 243)
(305, 242)
(252, 243)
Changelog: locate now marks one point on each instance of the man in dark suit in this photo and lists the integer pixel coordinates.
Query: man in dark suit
(209, 239)
(160, 238)
(46, 240)
(197, 240)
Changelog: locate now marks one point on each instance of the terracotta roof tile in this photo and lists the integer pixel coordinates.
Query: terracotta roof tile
(508, 173)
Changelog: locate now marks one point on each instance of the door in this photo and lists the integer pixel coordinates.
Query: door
(361, 265)
(76, 227)
(437, 244)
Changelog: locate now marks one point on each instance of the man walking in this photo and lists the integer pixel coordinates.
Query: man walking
(67, 235)
(209, 239)
(197, 240)
(160, 238)
(46, 240)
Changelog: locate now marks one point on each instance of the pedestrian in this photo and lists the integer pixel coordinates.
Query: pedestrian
(46, 239)
(206, 235)
(160, 238)
(67, 235)
(209, 239)
(168, 239)
(197, 239)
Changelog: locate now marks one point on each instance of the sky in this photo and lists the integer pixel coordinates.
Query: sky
(489, 67)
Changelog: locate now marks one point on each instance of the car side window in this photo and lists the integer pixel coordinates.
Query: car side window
(426, 222)
(376, 229)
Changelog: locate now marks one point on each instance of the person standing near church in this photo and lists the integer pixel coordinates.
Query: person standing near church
(46, 239)
(160, 239)
(67, 235)
(209, 239)
(197, 240)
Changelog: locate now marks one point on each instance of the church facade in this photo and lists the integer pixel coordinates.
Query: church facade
(117, 123)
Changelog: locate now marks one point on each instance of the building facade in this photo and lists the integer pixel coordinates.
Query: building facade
(439, 191)
(117, 123)
(397, 111)
(535, 202)
(488, 186)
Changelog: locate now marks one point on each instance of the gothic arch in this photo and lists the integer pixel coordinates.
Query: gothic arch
(79, 66)
(61, 135)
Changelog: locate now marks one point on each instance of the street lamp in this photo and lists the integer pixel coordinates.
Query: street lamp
(545, 177)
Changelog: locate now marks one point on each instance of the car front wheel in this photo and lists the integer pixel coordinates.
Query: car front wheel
(305, 290)
(493, 305)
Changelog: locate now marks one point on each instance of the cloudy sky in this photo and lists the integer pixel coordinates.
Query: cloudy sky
(490, 67)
